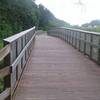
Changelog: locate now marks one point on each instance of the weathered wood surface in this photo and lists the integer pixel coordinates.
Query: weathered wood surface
(4, 72)
(14, 55)
(5, 94)
(57, 71)
(85, 41)
(4, 52)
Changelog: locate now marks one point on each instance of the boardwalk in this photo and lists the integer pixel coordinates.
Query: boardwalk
(57, 71)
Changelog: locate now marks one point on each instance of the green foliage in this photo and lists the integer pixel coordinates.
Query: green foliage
(18, 15)
(1, 79)
(48, 20)
(92, 26)
(15, 16)
(1, 43)
(96, 29)
(1, 85)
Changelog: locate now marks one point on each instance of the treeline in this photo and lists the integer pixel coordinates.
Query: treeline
(93, 26)
(18, 15)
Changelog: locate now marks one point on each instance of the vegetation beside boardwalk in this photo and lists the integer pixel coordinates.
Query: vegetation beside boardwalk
(19, 15)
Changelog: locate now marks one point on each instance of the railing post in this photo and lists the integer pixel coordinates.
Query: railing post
(67, 35)
(99, 52)
(91, 47)
(72, 38)
(79, 41)
(84, 43)
(76, 40)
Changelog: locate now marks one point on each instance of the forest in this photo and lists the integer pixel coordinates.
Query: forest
(19, 15)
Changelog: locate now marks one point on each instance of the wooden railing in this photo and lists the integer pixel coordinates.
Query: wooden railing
(84, 41)
(15, 55)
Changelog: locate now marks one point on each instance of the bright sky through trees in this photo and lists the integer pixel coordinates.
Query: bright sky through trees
(73, 11)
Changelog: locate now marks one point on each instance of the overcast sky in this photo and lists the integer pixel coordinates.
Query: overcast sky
(71, 11)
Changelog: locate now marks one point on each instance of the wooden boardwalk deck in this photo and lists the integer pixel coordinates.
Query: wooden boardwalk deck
(57, 71)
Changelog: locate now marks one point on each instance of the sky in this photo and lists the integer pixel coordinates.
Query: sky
(72, 12)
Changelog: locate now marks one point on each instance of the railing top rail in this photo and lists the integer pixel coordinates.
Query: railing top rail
(16, 36)
(79, 30)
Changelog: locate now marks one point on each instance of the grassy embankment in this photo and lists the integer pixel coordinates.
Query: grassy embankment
(1, 65)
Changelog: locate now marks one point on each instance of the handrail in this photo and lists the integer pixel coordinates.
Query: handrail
(77, 30)
(16, 36)
(85, 41)
(15, 55)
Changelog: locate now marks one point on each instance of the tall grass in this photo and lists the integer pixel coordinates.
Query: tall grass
(1, 43)
(1, 66)
(1, 79)
(1, 84)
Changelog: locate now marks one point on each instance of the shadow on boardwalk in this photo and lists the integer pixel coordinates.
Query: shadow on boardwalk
(57, 71)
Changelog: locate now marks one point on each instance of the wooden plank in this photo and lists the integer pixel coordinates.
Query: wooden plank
(57, 71)
(4, 52)
(5, 94)
(5, 71)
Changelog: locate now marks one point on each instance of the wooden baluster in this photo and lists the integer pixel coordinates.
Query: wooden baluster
(72, 37)
(22, 46)
(25, 50)
(85, 43)
(18, 50)
(76, 40)
(79, 41)
(91, 47)
(67, 35)
(99, 52)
